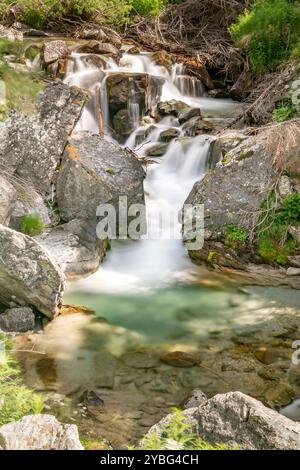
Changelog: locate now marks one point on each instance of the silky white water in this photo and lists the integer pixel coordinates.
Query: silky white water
(159, 257)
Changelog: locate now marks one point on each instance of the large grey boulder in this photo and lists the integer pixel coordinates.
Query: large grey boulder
(93, 172)
(8, 198)
(236, 419)
(39, 432)
(28, 275)
(29, 203)
(33, 145)
(75, 247)
(17, 320)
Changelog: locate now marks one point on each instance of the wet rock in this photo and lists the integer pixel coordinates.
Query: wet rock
(75, 247)
(17, 320)
(39, 432)
(28, 275)
(8, 198)
(143, 134)
(196, 398)
(186, 116)
(236, 419)
(92, 398)
(279, 394)
(93, 172)
(123, 124)
(218, 94)
(197, 126)
(32, 146)
(133, 50)
(134, 94)
(157, 150)
(53, 51)
(35, 33)
(169, 135)
(171, 108)
(97, 47)
(292, 411)
(140, 360)
(194, 66)
(180, 359)
(163, 59)
(268, 355)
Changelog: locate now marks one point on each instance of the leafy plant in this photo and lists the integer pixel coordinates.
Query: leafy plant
(235, 237)
(274, 241)
(284, 111)
(178, 434)
(31, 225)
(16, 400)
(144, 7)
(269, 31)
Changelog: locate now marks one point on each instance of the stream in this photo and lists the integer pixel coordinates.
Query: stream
(149, 298)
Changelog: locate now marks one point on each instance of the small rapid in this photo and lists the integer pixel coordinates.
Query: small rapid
(159, 258)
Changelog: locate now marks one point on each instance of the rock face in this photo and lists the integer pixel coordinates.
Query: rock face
(31, 203)
(75, 247)
(130, 95)
(39, 432)
(236, 419)
(93, 172)
(46, 132)
(17, 320)
(28, 275)
(8, 197)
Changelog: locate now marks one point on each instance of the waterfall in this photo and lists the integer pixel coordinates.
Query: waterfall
(157, 258)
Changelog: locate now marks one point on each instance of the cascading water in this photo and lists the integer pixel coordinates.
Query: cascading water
(159, 257)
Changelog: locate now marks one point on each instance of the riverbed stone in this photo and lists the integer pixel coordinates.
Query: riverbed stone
(28, 274)
(197, 126)
(191, 113)
(98, 47)
(169, 134)
(157, 150)
(93, 172)
(8, 198)
(172, 108)
(17, 320)
(39, 432)
(33, 145)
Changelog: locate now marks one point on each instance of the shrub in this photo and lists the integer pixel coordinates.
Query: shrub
(144, 7)
(274, 242)
(31, 225)
(270, 31)
(284, 111)
(235, 237)
(177, 434)
(16, 400)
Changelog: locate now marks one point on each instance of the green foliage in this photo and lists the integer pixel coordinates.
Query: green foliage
(177, 434)
(270, 31)
(144, 7)
(235, 237)
(16, 400)
(39, 13)
(274, 242)
(284, 111)
(31, 225)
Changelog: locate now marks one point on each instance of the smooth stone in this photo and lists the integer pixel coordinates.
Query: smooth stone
(180, 359)
(169, 135)
(157, 150)
(17, 320)
(293, 272)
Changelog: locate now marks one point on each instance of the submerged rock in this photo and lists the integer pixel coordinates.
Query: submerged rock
(28, 275)
(39, 432)
(75, 247)
(32, 146)
(236, 419)
(157, 150)
(93, 172)
(8, 198)
(17, 320)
